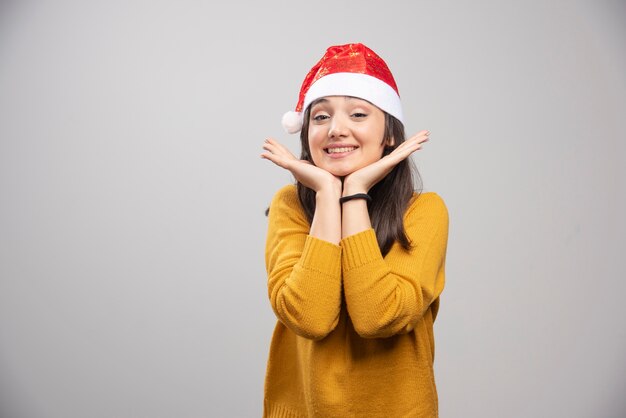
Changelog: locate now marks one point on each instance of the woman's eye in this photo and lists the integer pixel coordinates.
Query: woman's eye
(359, 115)
(320, 117)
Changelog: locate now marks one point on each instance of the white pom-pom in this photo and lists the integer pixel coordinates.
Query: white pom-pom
(292, 122)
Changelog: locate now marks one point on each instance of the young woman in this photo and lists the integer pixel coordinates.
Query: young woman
(355, 258)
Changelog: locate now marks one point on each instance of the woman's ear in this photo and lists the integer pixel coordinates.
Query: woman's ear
(390, 142)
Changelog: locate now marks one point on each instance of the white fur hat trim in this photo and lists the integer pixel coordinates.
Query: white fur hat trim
(292, 121)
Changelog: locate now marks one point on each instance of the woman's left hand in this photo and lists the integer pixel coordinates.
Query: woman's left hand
(362, 180)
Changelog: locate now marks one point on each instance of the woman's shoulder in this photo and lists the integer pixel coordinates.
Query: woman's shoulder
(429, 204)
(286, 199)
(287, 190)
(286, 194)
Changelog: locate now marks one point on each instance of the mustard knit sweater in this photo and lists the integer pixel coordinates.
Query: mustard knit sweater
(354, 336)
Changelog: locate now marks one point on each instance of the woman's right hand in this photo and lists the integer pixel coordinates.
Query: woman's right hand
(309, 175)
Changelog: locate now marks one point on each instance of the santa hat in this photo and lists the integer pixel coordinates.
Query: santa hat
(347, 70)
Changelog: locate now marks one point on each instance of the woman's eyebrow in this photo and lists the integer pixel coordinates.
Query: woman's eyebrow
(318, 101)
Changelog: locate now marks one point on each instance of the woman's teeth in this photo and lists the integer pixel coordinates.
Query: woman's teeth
(338, 150)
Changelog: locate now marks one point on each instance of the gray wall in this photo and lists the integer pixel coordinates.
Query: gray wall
(132, 279)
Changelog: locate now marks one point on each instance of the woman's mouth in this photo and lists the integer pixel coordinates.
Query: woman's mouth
(339, 150)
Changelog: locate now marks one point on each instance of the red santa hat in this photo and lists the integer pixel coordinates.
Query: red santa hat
(347, 70)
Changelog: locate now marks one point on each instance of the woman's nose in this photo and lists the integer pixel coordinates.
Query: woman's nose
(338, 127)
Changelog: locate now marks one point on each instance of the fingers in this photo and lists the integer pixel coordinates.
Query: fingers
(415, 142)
(278, 160)
(277, 145)
(420, 137)
(277, 153)
(408, 147)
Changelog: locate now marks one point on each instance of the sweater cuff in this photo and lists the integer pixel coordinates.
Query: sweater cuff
(321, 256)
(360, 249)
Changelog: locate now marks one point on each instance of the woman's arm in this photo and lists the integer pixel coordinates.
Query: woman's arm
(326, 222)
(355, 217)
(304, 271)
(304, 261)
(387, 296)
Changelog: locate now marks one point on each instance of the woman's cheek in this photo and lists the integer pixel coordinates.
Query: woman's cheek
(315, 148)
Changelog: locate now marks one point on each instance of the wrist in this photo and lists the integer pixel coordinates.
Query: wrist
(328, 185)
(330, 193)
(349, 190)
(357, 196)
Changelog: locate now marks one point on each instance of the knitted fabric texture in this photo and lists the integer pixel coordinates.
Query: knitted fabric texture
(354, 336)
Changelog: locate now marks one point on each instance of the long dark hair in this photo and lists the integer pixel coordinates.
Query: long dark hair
(390, 196)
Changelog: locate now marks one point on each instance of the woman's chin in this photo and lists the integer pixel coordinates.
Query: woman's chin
(339, 172)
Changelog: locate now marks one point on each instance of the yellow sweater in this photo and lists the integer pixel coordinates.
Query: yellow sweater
(354, 336)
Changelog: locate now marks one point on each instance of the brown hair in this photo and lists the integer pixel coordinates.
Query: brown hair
(390, 196)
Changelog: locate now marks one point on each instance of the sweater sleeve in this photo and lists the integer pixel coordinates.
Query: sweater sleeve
(388, 296)
(304, 272)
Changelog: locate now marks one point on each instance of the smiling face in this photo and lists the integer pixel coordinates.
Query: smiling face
(345, 134)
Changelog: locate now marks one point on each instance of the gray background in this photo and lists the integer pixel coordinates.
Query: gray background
(132, 279)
